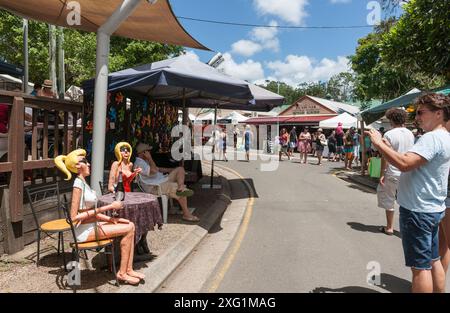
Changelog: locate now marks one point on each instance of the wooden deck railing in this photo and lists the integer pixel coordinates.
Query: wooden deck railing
(12, 212)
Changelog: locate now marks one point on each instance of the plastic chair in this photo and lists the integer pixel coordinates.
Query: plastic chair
(97, 245)
(164, 198)
(42, 195)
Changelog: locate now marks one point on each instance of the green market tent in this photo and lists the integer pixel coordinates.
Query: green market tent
(371, 115)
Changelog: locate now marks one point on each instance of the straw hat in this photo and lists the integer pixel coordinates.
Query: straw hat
(47, 84)
(143, 147)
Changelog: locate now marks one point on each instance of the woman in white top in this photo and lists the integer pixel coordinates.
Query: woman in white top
(90, 223)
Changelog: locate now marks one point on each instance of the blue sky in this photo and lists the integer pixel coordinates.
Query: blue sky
(289, 55)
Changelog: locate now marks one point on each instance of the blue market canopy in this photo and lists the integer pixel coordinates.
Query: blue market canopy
(175, 78)
(371, 115)
(263, 101)
(10, 69)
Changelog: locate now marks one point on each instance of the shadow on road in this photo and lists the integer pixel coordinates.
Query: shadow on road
(370, 228)
(237, 192)
(389, 283)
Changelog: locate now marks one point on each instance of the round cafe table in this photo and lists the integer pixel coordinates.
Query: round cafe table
(140, 208)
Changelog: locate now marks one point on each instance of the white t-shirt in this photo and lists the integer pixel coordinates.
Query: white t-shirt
(401, 140)
(424, 189)
(87, 194)
(156, 179)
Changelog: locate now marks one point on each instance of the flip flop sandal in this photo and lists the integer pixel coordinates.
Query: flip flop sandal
(383, 230)
(191, 219)
(185, 193)
(130, 281)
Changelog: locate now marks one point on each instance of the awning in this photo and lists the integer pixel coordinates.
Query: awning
(175, 78)
(10, 69)
(375, 113)
(155, 22)
(292, 120)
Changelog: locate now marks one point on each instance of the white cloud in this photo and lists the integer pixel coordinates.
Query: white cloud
(261, 38)
(245, 47)
(298, 69)
(248, 70)
(265, 33)
(291, 11)
(267, 37)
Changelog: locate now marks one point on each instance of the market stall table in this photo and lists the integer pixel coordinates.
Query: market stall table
(140, 208)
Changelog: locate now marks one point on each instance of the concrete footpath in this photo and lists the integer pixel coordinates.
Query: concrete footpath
(169, 247)
(166, 263)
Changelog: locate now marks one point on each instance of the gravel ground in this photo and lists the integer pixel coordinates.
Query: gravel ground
(19, 273)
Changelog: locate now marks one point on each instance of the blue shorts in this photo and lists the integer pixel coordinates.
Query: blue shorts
(420, 238)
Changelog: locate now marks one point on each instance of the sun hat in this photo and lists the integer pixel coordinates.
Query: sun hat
(339, 124)
(47, 83)
(141, 147)
(320, 130)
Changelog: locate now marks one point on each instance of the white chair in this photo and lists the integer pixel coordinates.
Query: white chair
(158, 192)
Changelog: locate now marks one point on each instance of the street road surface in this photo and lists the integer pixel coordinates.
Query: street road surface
(309, 232)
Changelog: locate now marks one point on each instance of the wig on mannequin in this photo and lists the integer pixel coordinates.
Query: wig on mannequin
(68, 163)
(117, 150)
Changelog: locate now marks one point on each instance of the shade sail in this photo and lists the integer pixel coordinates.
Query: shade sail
(177, 77)
(151, 22)
(263, 100)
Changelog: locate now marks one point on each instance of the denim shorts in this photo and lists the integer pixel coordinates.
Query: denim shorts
(420, 238)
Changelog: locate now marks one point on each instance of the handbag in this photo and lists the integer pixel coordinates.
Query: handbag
(323, 142)
(374, 167)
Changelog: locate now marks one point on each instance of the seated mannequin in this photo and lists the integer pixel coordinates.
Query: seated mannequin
(90, 222)
(123, 167)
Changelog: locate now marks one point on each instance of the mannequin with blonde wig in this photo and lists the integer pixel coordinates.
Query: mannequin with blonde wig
(90, 222)
(123, 152)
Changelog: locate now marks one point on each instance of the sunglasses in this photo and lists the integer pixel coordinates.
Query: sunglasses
(421, 112)
(83, 160)
(123, 149)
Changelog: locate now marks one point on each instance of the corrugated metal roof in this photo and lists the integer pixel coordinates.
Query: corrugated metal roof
(338, 107)
(289, 119)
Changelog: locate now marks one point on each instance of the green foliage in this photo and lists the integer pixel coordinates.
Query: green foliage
(79, 50)
(375, 79)
(413, 51)
(420, 40)
(339, 88)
